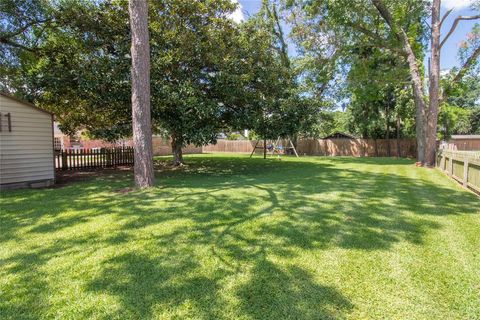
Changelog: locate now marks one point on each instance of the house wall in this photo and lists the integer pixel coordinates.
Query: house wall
(26, 157)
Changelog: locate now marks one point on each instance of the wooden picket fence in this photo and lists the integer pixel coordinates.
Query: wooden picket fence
(463, 166)
(78, 159)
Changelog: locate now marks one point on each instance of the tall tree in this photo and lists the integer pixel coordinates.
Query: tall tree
(398, 27)
(141, 116)
(460, 109)
(273, 106)
(374, 82)
(72, 58)
(79, 65)
(427, 117)
(195, 70)
(434, 85)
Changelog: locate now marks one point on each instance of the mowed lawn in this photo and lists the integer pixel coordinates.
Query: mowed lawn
(228, 237)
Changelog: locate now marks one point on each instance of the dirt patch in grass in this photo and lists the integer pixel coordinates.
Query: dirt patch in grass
(125, 190)
(63, 178)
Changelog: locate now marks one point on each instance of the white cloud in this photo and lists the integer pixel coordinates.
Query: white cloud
(457, 4)
(237, 15)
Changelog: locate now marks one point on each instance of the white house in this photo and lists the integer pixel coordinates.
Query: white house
(26, 144)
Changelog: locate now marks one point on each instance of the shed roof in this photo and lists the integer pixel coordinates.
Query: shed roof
(31, 105)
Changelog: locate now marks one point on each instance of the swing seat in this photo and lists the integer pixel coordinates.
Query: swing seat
(274, 148)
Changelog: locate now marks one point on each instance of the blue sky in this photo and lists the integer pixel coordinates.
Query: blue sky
(450, 49)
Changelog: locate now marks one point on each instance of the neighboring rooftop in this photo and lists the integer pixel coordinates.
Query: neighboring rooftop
(465, 136)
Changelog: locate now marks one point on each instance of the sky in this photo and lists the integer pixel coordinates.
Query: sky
(449, 51)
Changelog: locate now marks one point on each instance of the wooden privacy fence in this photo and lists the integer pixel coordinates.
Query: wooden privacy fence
(463, 166)
(240, 146)
(78, 159)
(330, 147)
(358, 147)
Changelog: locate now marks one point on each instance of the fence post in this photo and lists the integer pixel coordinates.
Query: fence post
(465, 172)
(109, 157)
(442, 161)
(64, 159)
(450, 166)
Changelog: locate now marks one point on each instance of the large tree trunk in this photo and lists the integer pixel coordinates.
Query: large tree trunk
(418, 100)
(141, 116)
(434, 79)
(264, 148)
(177, 151)
(416, 79)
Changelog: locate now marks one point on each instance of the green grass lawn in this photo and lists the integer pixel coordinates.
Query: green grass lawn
(228, 237)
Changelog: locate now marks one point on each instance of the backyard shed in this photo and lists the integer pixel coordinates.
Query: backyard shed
(26, 144)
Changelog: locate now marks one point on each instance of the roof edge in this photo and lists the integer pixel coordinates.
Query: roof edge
(25, 102)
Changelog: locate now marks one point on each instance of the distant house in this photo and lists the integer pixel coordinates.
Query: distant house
(62, 141)
(463, 142)
(340, 135)
(465, 137)
(26, 144)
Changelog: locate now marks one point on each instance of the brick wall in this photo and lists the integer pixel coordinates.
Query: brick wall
(161, 146)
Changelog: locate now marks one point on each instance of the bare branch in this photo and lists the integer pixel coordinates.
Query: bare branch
(454, 26)
(279, 33)
(445, 16)
(468, 63)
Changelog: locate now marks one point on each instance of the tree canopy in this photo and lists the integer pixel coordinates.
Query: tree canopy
(210, 74)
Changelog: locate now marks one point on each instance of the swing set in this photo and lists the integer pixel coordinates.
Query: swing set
(275, 148)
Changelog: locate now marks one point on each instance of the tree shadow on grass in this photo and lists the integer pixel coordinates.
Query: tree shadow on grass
(242, 212)
(145, 285)
(272, 292)
(25, 298)
(378, 161)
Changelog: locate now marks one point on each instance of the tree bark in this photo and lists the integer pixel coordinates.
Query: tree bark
(264, 148)
(141, 116)
(177, 151)
(398, 137)
(416, 78)
(387, 133)
(433, 91)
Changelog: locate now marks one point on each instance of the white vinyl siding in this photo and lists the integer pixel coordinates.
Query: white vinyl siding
(26, 153)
